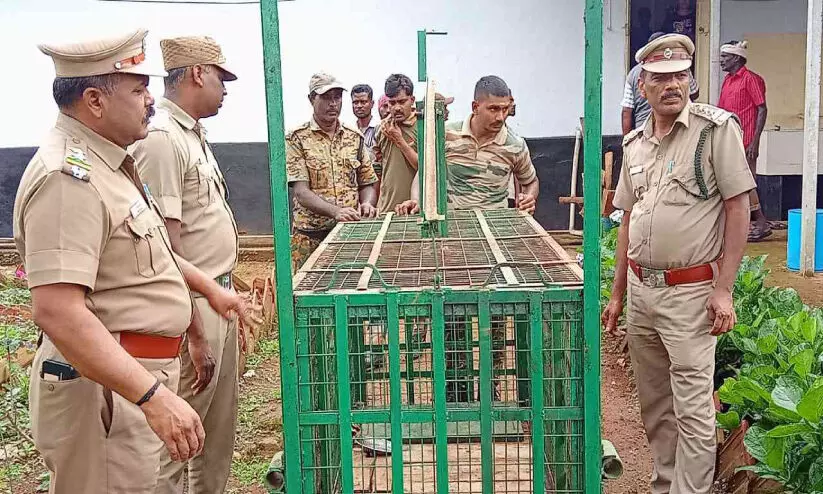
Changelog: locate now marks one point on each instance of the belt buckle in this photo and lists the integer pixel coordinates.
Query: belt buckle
(224, 280)
(654, 278)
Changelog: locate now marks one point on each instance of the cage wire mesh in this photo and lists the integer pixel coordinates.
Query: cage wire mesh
(424, 382)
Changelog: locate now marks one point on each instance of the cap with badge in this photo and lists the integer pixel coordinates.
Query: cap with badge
(124, 54)
(321, 83)
(667, 54)
(186, 51)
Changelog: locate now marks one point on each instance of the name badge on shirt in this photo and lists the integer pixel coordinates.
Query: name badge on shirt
(137, 207)
(634, 170)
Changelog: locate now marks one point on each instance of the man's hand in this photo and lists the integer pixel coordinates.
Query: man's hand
(203, 361)
(367, 210)
(226, 302)
(721, 311)
(406, 208)
(611, 314)
(392, 131)
(753, 151)
(175, 423)
(347, 214)
(526, 202)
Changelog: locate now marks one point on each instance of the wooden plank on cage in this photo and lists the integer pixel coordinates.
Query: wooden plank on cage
(429, 158)
(301, 273)
(508, 274)
(552, 243)
(365, 278)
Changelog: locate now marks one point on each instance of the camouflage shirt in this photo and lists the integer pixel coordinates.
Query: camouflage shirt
(479, 175)
(335, 169)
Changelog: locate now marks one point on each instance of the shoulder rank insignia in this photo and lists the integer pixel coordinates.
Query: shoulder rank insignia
(76, 164)
(716, 115)
(632, 135)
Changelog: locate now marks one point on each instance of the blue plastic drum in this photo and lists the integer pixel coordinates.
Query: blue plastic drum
(793, 244)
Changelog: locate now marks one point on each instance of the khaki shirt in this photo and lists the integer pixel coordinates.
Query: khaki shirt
(398, 173)
(99, 229)
(335, 169)
(480, 176)
(188, 185)
(672, 226)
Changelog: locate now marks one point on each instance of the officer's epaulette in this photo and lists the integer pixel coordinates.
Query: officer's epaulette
(632, 135)
(76, 161)
(714, 114)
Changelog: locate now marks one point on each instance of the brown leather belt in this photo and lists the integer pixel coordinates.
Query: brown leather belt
(670, 277)
(140, 345)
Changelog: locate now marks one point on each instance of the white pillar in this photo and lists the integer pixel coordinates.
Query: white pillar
(811, 129)
(714, 46)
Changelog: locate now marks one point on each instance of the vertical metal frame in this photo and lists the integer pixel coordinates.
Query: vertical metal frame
(285, 296)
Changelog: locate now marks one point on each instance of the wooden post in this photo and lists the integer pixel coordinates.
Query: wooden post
(714, 46)
(575, 162)
(811, 128)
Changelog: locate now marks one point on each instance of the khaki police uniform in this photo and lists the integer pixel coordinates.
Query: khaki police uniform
(675, 188)
(335, 168)
(82, 216)
(179, 166)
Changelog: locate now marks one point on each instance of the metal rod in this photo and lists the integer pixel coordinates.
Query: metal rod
(421, 56)
(280, 229)
(592, 154)
(811, 129)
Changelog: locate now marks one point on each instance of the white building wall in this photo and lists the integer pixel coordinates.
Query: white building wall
(739, 17)
(535, 45)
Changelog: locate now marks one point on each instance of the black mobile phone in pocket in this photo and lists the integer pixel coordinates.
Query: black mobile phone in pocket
(54, 370)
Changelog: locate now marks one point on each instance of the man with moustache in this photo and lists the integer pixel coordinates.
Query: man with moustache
(396, 143)
(330, 173)
(684, 188)
(107, 291)
(177, 163)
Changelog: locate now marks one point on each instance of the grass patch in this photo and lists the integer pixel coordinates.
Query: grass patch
(266, 348)
(10, 295)
(250, 471)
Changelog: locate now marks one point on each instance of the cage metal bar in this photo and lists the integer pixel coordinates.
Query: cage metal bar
(592, 156)
(439, 360)
(393, 325)
(484, 334)
(344, 391)
(280, 227)
(412, 416)
(537, 404)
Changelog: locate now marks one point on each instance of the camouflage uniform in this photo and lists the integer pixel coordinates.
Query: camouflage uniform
(479, 176)
(335, 169)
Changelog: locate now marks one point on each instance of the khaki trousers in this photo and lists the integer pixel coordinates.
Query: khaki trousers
(672, 355)
(94, 441)
(217, 407)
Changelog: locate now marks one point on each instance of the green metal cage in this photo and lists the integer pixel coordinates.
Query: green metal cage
(465, 363)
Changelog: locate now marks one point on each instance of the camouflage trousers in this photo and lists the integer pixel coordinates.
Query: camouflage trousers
(303, 244)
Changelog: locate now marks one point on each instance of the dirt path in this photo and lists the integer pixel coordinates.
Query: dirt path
(621, 422)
